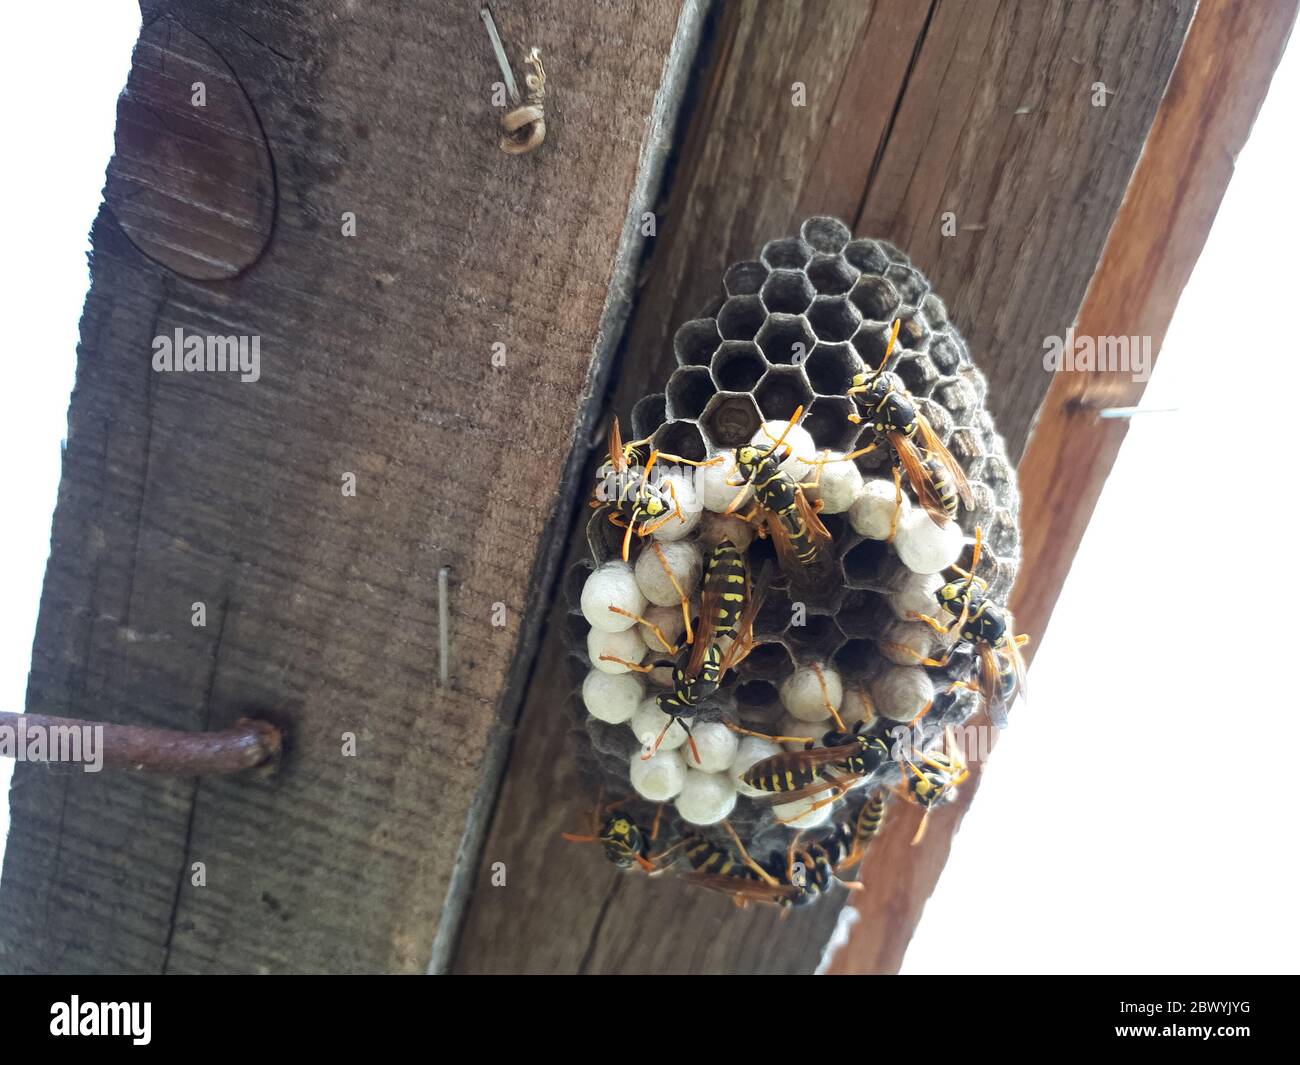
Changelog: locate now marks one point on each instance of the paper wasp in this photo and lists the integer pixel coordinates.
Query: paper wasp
(884, 404)
(987, 626)
(787, 515)
(698, 670)
(933, 779)
(636, 502)
(800, 876)
(625, 843)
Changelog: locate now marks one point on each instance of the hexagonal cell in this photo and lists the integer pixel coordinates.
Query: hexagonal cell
(741, 318)
(604, 540)
(831, 275)
(756, 695)
(918, 376)
(948, 353)
(744, 279)
(867, 256)
(1002, 536)
(871, 342)
(965, 447)
(936, 313)
(938, 417)
(828, 421)
(811, 639)
(696, 341)
(913, 333)
(786, 339)
(790, 253)
(833, 318)
(787, 292)
(958, 397)
(730, 420)
(769, 661)
(894, 253)
(984, 501)
(681, 438)
(689, 392)
(825, 234)
(831, 368)
(782, 390)
(875, 298)
(738, 366)
(649, 413)
(864, 614)
(856, 658)
(864, 563)
(910, 284)
(773, 616)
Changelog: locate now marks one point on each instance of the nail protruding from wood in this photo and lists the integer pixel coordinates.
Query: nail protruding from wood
(248, 744)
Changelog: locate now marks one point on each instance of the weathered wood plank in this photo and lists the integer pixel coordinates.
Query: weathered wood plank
(1217, 87)
(911, 111)
(376, 361)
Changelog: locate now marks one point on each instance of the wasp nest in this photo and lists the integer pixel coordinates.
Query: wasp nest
(791, 330)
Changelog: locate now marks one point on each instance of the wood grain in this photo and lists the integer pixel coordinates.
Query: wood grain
(1213, 97)
(911, 111)
(375, 360)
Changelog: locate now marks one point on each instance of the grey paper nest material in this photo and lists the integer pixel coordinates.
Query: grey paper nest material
(791, 329)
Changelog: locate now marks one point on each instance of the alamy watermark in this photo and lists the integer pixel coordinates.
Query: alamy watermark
(35, 742)
(1089, 354)
(179, 353)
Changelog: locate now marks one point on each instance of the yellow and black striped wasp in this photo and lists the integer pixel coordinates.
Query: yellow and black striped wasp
(785, 512)
(986, 626)
(636, 502)
(724, 620)
(866, 826)
(625, 843)
(834, 768)
(887, 408)
(930, 778)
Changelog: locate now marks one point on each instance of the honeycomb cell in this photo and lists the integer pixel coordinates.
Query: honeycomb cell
(769, 661)
(604, 539)
(965, 447)
(826, 235)
(744, 279)
(935, 312)
(864, 564)
(790, 253)
(689, 392)
(938, 417)
(696, 341)
(894, 253)
(773, 618)
(787, 292)
(918, 376)
(828, 421)
(998, 474)
(816, 633)
(856, 658)
(910, 284)
(875, 298)
(867, 256)
(738, 366)
(833, 318)
(831, 367)
(730, 420)
(755, 694)
(681, 438)
(781, 391)
(786, 339)
(871, 342)
(649, 413)
(913, 333)
(957, 397)
(864, 614)
(947, 353)
(831, 275)
(741, 318)
(1002, 536)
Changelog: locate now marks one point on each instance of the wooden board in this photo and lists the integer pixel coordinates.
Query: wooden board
(979, 107)
(375, 360)
(1214, 95)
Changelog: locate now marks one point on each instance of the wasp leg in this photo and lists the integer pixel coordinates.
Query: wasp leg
(681, 595)
(765, 736)
(898, 505)
(659, 635)
(750, 864)
(921, 660)
(839, 787)
(635, 666)
(826, 695)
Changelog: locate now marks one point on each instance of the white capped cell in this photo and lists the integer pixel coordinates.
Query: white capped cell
(705, 798)
(657, 779)
(612, 697)
(684, 562)
(872, 512)
(802, 693)
(613, 584)
(923, 546)
(626, 645)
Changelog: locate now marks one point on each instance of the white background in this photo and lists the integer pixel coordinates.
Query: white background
(1138, 816)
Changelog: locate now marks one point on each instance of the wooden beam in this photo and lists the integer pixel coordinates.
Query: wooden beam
(1218, 85)
(227, 217)
(978, 107)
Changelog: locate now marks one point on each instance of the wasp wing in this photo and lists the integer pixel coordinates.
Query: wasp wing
(931, 442)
